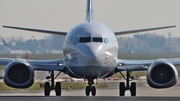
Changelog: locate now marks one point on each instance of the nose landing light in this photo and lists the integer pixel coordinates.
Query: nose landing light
(59, 64)
(121, 64)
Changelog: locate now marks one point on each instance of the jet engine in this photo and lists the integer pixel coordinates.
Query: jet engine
(19, 74)
(162, 74)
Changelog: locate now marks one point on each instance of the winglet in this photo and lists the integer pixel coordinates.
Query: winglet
(89, 11)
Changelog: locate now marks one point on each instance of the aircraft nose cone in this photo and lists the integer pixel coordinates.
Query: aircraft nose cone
(90, 50)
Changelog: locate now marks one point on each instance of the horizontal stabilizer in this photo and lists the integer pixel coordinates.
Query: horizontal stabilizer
(141, 30)
(38, 30)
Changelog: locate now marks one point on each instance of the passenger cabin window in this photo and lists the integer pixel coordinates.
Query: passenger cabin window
(84, 39)
(97, 39)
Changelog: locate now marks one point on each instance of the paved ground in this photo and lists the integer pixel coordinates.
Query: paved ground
(144, 93)
(142, 90)
(82, 98)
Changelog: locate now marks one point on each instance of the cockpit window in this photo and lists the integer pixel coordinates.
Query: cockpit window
(94, 39)
(85, 39)
(106, 41)
(75, 41)
(97, 39)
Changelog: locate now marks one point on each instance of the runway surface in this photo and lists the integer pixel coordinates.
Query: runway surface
(144, 93)
(81, 98)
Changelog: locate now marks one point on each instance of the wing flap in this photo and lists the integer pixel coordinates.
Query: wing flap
(38, 30)
(140, 30)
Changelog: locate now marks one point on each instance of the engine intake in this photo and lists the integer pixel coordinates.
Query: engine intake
(19, 74)
(162, 74)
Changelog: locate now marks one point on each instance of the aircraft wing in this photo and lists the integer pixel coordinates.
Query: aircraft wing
(38, 30)
(45, 65)
(133, 65)
(141, 65)
(48, 65)
(5, 61)
(140, 30)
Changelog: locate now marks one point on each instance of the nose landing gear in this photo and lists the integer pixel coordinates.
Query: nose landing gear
(90, 89)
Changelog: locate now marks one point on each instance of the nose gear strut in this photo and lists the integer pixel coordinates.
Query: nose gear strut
(90, 88)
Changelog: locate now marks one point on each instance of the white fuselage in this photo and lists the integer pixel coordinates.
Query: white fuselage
(90, 50)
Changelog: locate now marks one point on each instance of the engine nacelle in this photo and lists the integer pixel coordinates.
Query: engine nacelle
(162, 74)
(19, 74)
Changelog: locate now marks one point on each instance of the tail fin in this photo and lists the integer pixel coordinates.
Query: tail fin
(4, 42)
(89, 14)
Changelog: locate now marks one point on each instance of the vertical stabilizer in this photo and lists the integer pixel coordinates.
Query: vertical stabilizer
(89, 15)
(4, 42)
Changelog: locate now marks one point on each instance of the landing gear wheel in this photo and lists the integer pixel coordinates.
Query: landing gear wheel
(87, 90)
(47, 89)
(93, 91)
(122, 89)
(133, 89)
(58, 88)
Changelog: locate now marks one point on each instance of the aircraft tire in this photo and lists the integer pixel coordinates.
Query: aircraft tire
(133, 89)
(87, 91)
(58, 88)
(122, 89)
(47, 89)
(93, 91)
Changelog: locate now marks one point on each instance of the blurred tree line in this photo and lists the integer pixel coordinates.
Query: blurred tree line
(153, 40)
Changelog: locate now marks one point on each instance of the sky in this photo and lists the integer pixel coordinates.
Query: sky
(63, 15)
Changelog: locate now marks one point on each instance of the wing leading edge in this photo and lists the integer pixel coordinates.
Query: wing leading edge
(140, 30)
(133, 65)
(48, 65)
(141, 65)
(38, 30)
(45, 65)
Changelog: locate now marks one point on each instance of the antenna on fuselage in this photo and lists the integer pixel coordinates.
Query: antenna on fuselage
(89, 11)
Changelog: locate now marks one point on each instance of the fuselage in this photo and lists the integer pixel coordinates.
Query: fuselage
(90, 50)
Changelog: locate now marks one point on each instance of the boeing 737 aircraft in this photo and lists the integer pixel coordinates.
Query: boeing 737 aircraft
(90, 52)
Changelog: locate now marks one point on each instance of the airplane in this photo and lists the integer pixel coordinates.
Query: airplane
(5, 47)
(5, 43)
(90, 52)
